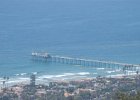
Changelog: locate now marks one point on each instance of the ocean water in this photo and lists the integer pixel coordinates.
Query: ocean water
(95, 29)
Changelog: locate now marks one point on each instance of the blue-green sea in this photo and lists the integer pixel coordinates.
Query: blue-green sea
(94, 29)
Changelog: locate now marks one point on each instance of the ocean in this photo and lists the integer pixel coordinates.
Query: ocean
(95, 29)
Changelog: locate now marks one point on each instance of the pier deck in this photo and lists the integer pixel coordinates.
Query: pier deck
(83, 62)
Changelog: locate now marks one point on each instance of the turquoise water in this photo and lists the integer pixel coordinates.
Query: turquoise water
(95, 29)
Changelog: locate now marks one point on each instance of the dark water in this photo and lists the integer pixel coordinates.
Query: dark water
(95, 29)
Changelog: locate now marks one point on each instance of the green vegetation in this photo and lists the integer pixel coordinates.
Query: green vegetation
(127, 96)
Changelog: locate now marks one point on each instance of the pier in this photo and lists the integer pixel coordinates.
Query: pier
(84, 62)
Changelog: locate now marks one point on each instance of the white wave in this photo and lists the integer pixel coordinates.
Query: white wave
(64, 76)
(129, 71)
(60, 76)
(13, 81)
(110, 71)
(69, 74)
(117, 75)
(100, 68)
(22, 78)
(22, 74)
(17, 74)
(51, 76)
(1, 80)
(17, 80)
(34, 73)
(137, 68)
(83, 73)
(46, 76)
(132, 73)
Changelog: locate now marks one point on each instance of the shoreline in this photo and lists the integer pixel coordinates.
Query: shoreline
(43, 79)
(48, 80)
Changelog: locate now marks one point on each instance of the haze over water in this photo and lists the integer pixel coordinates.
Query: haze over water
(96, 29)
